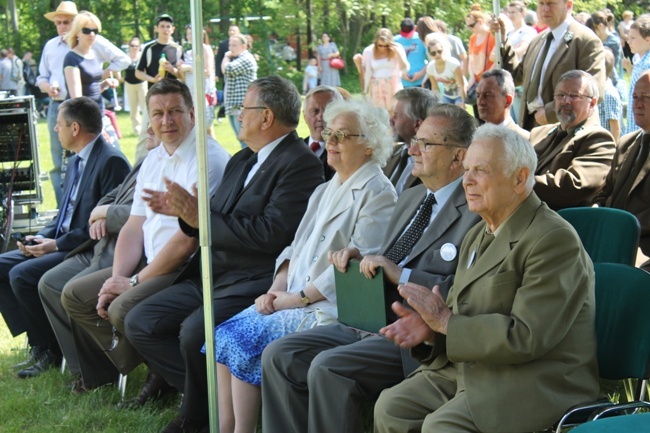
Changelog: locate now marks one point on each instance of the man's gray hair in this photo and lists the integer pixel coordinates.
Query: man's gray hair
(504, 80)
(518, 151)
(281, 97)
(586, 77)
(373, 122)
(418, 101)
(461, 124)
(336, 95)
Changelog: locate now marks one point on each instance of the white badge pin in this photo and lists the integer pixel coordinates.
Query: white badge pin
(448, 252)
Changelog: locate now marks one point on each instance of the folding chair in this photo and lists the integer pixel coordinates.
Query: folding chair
(622, 331)
(636, 423)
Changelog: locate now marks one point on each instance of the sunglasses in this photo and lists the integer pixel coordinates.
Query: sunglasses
(471, 26)
(134, 46)
(434, 52)
(382, 46)
(87, 31)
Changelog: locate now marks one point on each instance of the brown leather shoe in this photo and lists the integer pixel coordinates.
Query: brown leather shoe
(155, 388)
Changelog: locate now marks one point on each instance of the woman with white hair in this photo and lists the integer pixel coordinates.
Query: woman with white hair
(349, 211)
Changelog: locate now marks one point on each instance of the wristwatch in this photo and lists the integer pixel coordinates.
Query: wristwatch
(134, 280)
(304, 298)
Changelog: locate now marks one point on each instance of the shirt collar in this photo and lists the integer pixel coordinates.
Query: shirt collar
(443, 194)
(182, 152)
(84, 153)
(559, 31)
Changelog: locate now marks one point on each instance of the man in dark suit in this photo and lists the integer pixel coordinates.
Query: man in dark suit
(410, 110)
(516, 334)
(628, 183)
(254, 215)
(316, 101)
(573, 156)
(106, 221)
(96, 169)
(572, 46)
(494, 95)
(323, 376)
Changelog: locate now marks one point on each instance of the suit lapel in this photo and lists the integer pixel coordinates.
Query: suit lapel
(406, 215)
(644, 169)
(502, 244)
(542, 146)
(270, 160)
(88, 170)
(531, 57)
(220, 197)
(445, 218)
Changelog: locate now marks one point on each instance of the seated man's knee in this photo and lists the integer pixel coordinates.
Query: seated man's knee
(275, 357)
(192, 333)
(117, 314)
(320, 371)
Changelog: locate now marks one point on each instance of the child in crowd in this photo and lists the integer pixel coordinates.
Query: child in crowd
(310, 80)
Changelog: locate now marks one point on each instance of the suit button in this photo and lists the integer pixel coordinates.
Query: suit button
(313, 259)
(307, 279)
(322, 238)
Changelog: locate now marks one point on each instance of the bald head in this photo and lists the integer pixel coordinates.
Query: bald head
(641, 101)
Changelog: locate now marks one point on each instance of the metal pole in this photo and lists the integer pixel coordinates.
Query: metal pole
(496, 6)
(204, 208)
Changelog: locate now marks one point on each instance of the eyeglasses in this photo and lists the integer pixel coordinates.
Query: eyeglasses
(435, 52)
(471, 26)
(62, 23)
(242, 108)
(382, 46)
(87, 31)
(560, 96)
(337, 136)
(424, 146)
(134, 46)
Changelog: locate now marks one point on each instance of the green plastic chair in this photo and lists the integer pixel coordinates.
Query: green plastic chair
(608, 235)
(636, 423)
(622, 332)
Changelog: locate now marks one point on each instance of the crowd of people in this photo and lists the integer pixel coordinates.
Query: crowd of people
(461, 218)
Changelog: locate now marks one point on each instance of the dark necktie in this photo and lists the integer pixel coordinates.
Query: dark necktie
(239, 185)
(533, 86)
(403, 246)
(557, 138)
(314, 146)
(640, 159)
(73, 172)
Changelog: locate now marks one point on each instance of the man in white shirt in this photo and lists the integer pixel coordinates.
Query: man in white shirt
(52, 81)
(494, 96)
(134, 275)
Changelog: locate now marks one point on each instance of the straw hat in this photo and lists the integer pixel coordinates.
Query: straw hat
(65, 8)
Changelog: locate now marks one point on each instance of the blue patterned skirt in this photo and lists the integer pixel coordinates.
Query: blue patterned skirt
(239, 341)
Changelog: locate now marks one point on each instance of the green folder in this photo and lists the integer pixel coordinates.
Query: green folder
(361, 301)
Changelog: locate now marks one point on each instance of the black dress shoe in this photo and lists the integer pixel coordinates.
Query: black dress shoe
(182, 424)
(155, 388)
(34, 355)
(46, 361)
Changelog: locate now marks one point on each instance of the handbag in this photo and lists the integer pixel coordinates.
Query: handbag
(337, 63)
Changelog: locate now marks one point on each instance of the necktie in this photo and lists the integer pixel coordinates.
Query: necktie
(239, 185)
(403, 246)
(533, 86)
(639, 162)
(314, 146)
(485, 243)
(556, 139)
(73, 173)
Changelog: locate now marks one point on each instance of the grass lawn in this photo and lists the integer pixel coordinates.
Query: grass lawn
(44, 404)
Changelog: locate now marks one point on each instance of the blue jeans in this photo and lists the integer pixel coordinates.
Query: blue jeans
(56, 150)
(236, 126)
